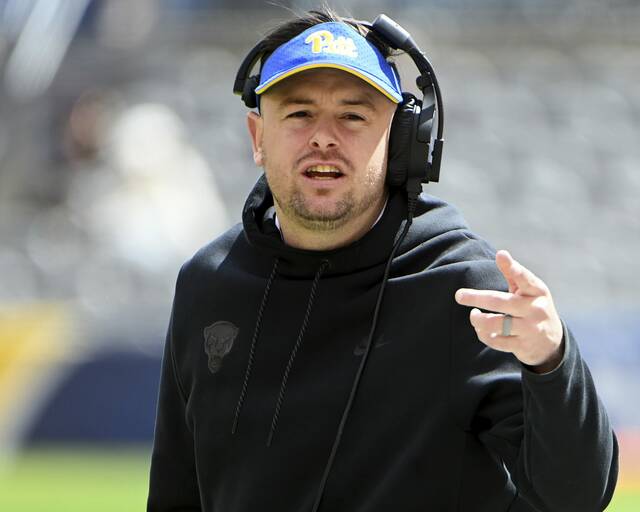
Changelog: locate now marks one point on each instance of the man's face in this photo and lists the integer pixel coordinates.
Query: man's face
(322, 140)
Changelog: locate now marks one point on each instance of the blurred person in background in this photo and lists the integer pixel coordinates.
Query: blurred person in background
(290, 382)
(151, 196)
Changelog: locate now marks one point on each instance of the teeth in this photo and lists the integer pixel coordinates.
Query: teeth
(323, 168)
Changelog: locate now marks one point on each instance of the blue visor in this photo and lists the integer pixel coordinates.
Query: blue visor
(331, 45)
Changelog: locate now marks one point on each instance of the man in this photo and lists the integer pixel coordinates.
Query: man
(264, 403)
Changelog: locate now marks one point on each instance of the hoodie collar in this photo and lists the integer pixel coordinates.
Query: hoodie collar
(370, 250)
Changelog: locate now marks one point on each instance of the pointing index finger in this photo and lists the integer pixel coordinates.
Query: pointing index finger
(521, 280)
(491, 300)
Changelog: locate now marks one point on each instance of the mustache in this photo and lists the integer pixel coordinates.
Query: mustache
(333, 155)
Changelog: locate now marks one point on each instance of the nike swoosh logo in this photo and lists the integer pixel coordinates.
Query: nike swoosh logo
(362, 347)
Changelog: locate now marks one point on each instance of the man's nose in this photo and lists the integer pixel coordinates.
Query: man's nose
(324, 136)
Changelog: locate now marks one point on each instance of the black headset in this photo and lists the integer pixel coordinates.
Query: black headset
(415, 147)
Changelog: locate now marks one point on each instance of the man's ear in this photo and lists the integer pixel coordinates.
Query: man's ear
(254, 123)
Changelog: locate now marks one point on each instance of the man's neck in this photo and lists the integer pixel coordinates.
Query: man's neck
(300, 237)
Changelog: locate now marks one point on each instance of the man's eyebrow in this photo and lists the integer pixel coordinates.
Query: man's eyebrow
(294, 100)
(361, 101)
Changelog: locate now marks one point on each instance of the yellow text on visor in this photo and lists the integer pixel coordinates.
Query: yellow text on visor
(331, 45)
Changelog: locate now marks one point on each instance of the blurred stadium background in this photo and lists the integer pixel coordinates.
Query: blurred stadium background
(122, 150)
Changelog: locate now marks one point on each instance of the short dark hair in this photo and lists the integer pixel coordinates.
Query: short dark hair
(291, 28)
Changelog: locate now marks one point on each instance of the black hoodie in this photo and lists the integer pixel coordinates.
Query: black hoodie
(261, 353)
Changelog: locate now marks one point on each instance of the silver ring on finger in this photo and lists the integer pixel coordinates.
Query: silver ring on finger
(507, 320)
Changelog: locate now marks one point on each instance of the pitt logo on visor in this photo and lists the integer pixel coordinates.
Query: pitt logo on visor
(331, 45)
(323, 41)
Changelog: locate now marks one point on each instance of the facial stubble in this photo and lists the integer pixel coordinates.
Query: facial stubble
(293, 203)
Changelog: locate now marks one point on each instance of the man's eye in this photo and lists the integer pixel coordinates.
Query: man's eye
(299, 113)
(353, 117)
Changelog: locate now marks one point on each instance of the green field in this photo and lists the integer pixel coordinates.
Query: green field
(74, 481)
(108, 481)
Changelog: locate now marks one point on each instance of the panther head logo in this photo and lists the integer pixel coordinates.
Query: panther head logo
(218, 340)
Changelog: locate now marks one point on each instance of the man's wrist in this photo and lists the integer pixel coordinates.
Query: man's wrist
(550, 364)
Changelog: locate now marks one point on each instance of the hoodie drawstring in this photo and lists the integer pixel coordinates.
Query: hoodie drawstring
(256, 334)
(292, 356)
(294, 351)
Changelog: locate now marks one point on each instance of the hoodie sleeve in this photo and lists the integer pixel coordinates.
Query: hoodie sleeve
(550, 430)
(173, 485)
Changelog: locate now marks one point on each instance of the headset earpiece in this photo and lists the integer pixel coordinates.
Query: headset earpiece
(245, 84)
(400, 140)
(249, 96)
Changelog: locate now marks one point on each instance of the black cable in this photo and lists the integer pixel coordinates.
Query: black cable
(354, 389)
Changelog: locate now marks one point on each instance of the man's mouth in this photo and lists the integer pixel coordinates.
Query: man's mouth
(323, 172)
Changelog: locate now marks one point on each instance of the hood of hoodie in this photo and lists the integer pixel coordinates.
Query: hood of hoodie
(435, 222)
